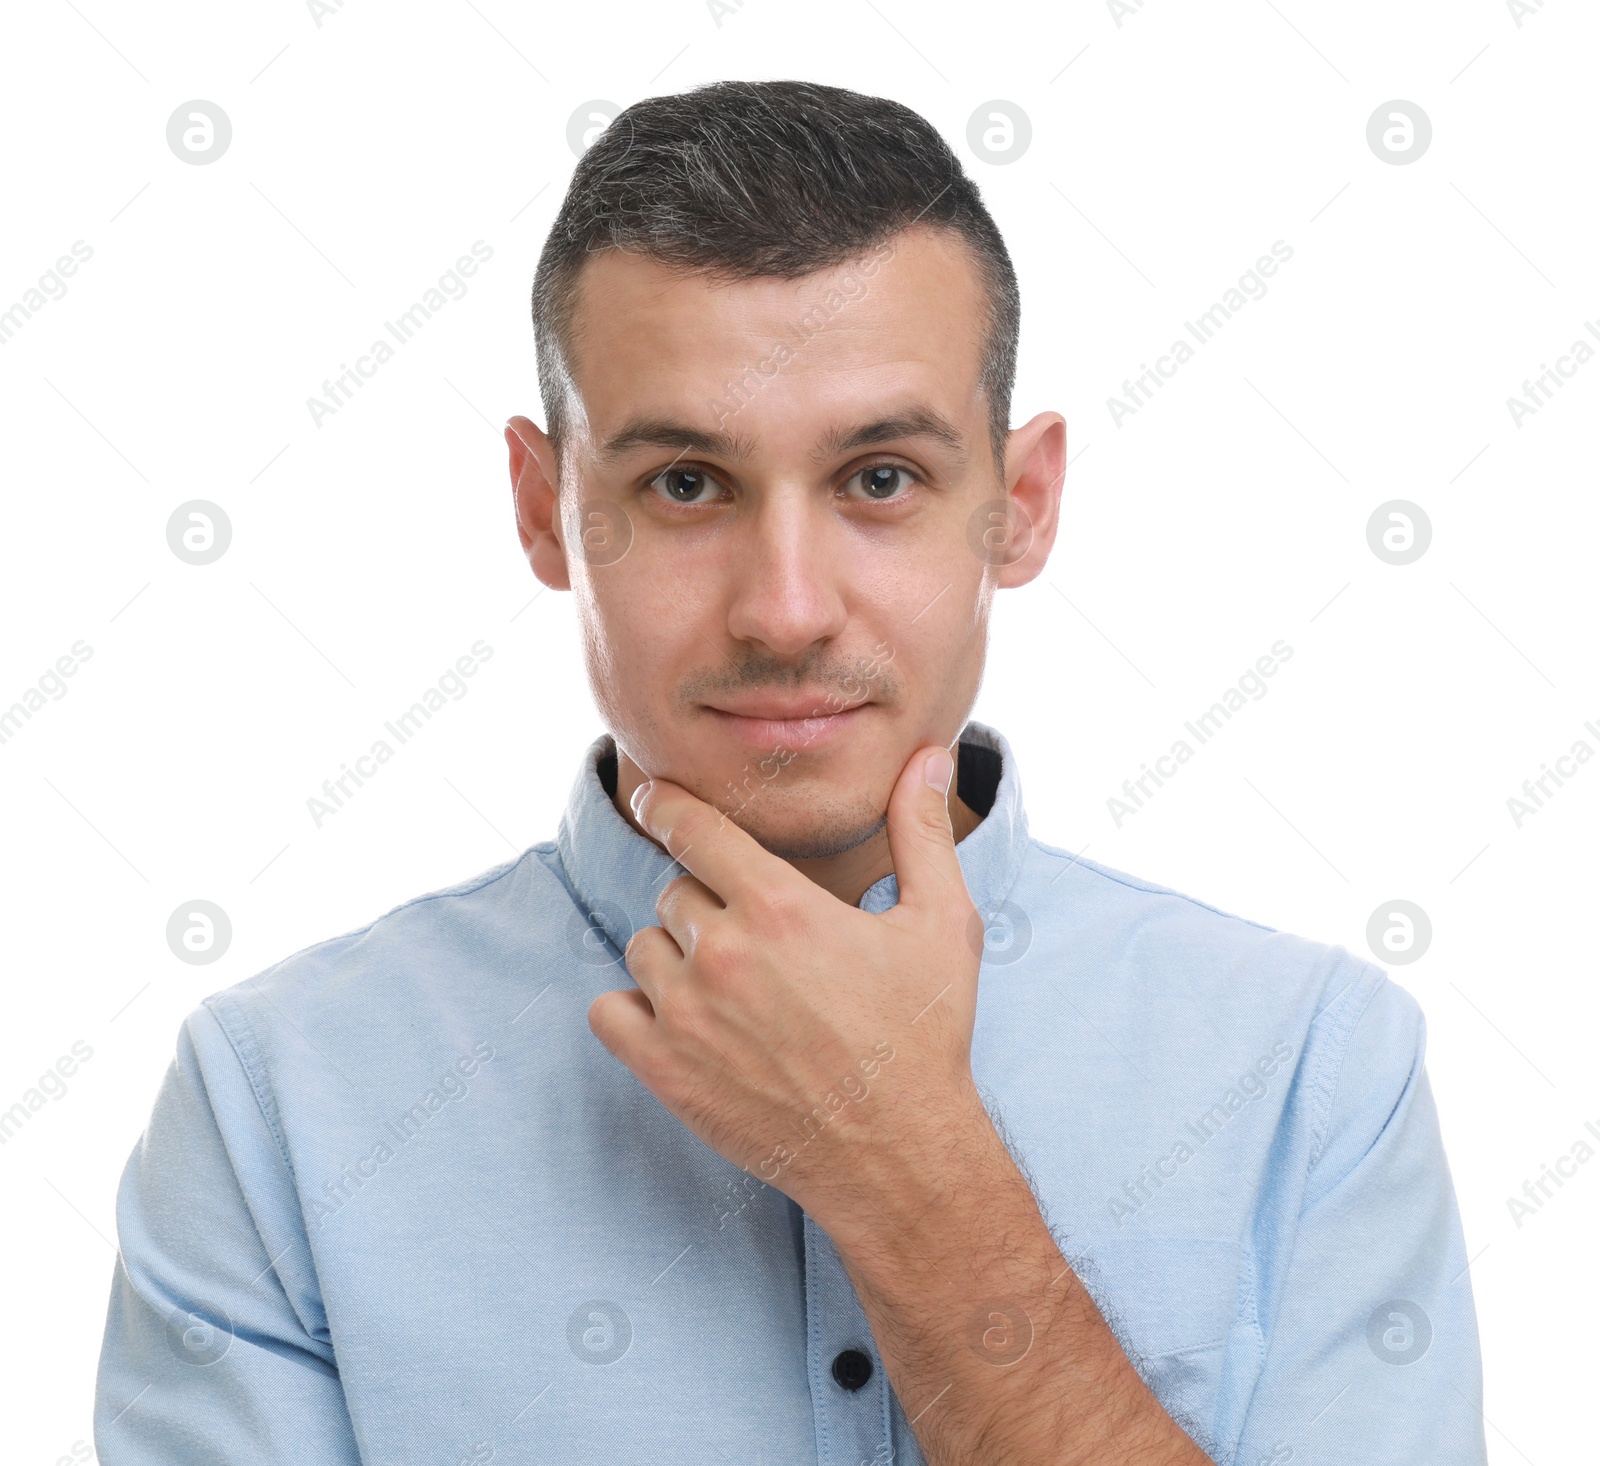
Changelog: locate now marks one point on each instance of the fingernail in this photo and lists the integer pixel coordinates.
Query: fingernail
(938, 769)
(637, 797)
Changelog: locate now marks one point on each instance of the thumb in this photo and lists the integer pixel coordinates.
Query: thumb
(921, 842)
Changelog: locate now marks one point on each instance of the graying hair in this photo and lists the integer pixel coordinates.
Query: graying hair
(742, 179)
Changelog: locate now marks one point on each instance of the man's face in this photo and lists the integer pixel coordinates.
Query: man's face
(772, 513)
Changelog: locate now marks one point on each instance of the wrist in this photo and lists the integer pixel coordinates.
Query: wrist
(891, 1182)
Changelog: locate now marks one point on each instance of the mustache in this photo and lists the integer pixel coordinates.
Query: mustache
(854, 680)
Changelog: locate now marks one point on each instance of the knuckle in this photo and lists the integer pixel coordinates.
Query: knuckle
(716, 953)
(602, 1021)
(671, 894)
(688, 828)
(777, 910)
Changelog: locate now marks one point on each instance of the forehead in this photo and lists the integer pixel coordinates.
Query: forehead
(904, 321)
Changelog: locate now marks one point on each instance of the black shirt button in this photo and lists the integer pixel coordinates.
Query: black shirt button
(852, 1369)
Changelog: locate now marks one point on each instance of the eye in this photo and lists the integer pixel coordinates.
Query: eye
(683, 485)
(881, 481)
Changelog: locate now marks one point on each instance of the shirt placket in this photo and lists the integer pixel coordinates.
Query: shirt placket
(850, 1399)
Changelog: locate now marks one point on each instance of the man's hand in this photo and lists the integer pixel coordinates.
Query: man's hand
(819, 1047)
(828, 1052)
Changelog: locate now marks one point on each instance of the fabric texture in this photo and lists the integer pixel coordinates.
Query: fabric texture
(396, 1204)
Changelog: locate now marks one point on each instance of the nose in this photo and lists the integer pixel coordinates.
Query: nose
(787, 577)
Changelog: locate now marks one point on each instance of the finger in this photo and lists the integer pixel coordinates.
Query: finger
(623, 1021)
(684, 907)
(650, 957)
(726, 859)
(921, 843)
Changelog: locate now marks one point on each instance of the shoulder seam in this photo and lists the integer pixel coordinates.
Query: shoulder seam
(251, 1066)
(489, 877)
(556, 868)
(229, 1015)
(1133, 883)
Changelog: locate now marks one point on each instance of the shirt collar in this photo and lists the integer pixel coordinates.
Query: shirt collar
(616, 874)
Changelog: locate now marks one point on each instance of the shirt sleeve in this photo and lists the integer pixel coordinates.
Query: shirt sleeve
(1372, 1356)
(216, 1346)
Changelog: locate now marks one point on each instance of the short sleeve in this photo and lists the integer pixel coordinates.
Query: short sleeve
(216, 1348)
(1372, 1354)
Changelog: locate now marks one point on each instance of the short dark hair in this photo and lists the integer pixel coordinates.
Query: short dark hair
(741, 179)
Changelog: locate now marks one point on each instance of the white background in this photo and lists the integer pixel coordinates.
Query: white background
(1168, 153)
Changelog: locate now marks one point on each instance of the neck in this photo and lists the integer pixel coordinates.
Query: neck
(847, 875)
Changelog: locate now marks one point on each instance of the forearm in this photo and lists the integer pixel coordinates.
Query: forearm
(995, 1349)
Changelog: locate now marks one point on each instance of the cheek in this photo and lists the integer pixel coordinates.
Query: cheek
(946, 561)
(636, 646)
(938, 612)
(615, 652)
(939, 659)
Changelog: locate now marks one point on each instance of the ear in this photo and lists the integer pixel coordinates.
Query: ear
(1036, 463)
(533, 492)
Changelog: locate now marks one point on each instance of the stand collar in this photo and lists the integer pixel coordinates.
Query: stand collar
(616, 874)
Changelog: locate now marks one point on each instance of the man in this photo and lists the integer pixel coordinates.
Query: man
(793, 1103)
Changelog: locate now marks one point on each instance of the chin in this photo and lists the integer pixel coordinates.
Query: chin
(806, 825)
(815, 844)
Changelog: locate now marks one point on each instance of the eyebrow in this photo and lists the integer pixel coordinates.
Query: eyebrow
(916, 421)
(664, 432)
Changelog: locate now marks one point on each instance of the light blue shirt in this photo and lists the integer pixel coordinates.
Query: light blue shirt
(396, 1204)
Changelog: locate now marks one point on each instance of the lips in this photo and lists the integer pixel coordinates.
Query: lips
(783, 709)
(796, 723)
